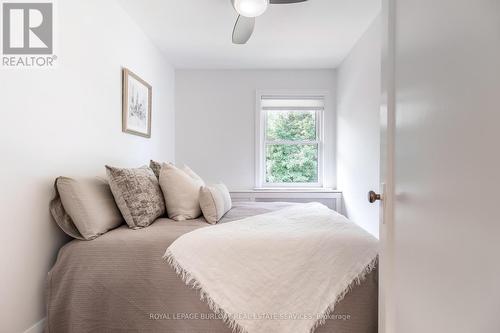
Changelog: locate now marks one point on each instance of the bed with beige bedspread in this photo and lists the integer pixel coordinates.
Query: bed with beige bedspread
(120, 283)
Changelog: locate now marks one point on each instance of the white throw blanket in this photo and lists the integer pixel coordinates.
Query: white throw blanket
(282, 271)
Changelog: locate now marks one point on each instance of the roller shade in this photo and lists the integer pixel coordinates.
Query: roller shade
(292, 103)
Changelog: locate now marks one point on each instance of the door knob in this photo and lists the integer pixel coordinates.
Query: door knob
(372, 197)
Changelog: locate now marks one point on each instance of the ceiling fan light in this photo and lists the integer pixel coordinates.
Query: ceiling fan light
(250, 8)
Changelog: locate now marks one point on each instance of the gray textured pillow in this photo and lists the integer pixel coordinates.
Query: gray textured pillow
(84, 208)
(215, 201)
(156, 167)
(137, 194)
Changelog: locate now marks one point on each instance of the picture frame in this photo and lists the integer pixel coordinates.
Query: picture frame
(136, 105)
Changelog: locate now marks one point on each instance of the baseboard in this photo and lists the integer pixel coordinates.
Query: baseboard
(37, 328)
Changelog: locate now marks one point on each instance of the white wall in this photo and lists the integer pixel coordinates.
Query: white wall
(358, 132)
(215, 119)
(67, 121)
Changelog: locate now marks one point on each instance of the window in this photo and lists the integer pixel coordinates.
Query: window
(289, 140)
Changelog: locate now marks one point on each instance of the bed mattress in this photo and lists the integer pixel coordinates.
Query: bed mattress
(120, 283)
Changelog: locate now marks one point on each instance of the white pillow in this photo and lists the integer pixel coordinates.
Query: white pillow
(215, 201)
(181, 189)
(192, 174)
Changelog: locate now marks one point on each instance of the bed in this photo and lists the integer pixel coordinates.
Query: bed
(120, 283)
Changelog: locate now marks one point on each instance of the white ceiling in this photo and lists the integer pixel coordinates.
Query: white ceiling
(197, 33)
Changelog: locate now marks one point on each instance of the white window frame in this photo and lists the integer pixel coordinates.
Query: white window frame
(260, 138)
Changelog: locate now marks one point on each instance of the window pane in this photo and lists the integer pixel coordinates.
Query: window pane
(291, 125)
(292, 163)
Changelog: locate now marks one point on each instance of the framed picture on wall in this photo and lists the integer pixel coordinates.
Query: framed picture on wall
(136, 108)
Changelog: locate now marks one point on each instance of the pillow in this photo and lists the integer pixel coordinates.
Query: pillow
(192, 174)
(156, 167)
(181, 189)
(84, 208)
(215, 201)
(137, 194)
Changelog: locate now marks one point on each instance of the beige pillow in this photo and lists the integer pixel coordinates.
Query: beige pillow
(181, 189)
(215, 202)
(137, 194)
(84, 208)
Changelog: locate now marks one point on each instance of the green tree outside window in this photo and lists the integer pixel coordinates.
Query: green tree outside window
(291, 151)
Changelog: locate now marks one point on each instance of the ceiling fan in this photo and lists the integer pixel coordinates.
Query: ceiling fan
(247, 11)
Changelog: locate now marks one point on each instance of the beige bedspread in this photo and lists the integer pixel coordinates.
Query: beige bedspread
(120, 283)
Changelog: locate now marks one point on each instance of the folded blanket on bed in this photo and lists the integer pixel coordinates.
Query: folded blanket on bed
(282, 271)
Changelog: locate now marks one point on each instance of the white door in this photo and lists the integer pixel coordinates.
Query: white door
(441, 257)
(387, 129)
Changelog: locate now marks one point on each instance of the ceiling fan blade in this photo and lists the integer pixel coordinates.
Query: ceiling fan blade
(243, 29)
(279, 2)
